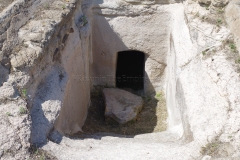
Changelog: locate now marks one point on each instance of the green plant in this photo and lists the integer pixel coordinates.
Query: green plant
(219, 22)
(47, 6)
(210, 149)
(238, 60)
(233, 47)
(24, 93)
(220, 10)
(8, 114)
(83, 20)
(42, 157)
(36, 151)
(64, 7)
(159, 96)
(204, 53)
(22, 111)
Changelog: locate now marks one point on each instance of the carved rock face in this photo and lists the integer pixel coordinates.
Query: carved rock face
(220, 3)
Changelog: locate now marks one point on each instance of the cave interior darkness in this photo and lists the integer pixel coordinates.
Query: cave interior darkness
(130, 70)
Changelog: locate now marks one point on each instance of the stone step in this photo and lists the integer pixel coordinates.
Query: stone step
(163, 145)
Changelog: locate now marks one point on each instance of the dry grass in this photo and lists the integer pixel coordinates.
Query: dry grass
(152, 118)
(232, 53)
(39, 154)
(215, 15)
(211, 149)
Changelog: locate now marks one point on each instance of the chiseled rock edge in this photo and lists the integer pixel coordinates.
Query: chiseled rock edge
(26, 58)
(208, 87)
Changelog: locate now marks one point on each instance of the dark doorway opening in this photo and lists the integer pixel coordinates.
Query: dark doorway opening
(130, 70)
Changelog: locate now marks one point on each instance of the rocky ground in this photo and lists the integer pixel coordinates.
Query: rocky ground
(33, 80)
(22, 41)
(4, 4)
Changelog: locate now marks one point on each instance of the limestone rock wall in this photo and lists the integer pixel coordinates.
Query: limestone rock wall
(44, 47)
(201, 72)
(146, 29)
(46, 63)
(15, 120)
(152, 29)
(233, 18)
(76, 58)
(208, 82)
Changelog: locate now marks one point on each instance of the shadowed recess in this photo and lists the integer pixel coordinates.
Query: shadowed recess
(130, 70)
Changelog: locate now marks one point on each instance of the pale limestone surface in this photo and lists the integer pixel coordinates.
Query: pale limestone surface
(39, 53)
(121, 106)
(194, 89)
(34, 77)
(233, 18)
(201, 90)
(220, 3)
(146, 29)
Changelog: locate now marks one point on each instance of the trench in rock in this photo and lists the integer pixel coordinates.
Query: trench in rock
(129, 76)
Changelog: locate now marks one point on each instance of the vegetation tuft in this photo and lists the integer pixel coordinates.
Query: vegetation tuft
(39, 154)
(23, 93)
(210, 149)
(22, 111)
(8, 114)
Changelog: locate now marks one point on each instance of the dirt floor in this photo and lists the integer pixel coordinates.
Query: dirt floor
(39, 154)
(4, 4)
(152, 118)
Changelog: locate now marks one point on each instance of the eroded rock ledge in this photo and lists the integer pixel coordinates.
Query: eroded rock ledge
(35, 69)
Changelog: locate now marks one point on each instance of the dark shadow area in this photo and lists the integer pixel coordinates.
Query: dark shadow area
(205, 5)
(149, 119)
(130, 70)
(51, 89)
(4, 75)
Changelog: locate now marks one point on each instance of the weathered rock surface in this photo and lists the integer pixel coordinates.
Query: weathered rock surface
(36, 69)
(45, 54)
(155, 146)
(3, 74)
(151, 34)
(232, 15)
(121, 106)
(220, 3)
(204, 2)
(216, 3)
(15, 130)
